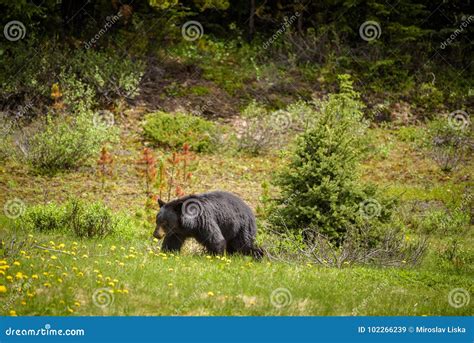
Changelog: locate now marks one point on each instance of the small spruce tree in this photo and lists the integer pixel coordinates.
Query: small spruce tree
(320, 188)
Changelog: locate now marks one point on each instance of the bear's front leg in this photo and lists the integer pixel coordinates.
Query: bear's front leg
(172, 243)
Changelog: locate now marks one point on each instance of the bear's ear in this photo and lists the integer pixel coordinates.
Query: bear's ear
(161, 203)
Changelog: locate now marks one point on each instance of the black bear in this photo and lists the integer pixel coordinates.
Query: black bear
(218, 220)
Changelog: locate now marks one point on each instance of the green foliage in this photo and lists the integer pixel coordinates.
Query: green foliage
(88, 220)
(429, 100)
(64, 142)
(78, 217)
(49, 217)
(173, 130)
(320, 189)
(111, 75)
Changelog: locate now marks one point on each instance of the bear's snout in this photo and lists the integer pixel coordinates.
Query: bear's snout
(159, 232)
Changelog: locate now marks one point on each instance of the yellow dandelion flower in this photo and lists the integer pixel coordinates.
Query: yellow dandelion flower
(30, 295)
(61, 246)
(115, 280)
(211, 294)
(30, 236)
(125, 291)
(85, 256)
(99, 276)
(4, 267)
(111, 284)
(119, 291)
(62, 302)
(170, 269)
(53, 257)
(46, 284)
(121, 264)
(122, 248)
(75, 243)
(16, 263)
(99, 245)
(170, 285)
(3, 262)
(80, 274)
(96, 271)
(77, 304)
(2, 272)
(45, 273)
(107, 278)
(74, 269)
(64, 274)
(3, 289)
(113, 247)
(60, 280)
(10, 278)
(70, 310)
(19, 275)
(23, 252)
(13, 313)
(51, 242)
(23, 302)
(155, 240)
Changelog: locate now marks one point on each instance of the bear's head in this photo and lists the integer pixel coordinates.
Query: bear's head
(167, 219)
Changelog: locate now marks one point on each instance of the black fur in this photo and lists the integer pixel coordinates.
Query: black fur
(218, 220)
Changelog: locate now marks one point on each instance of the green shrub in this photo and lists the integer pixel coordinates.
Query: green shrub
(90, 220)
(111, 75)
(50, 217)
(64, 142)
(429, 99)
(173, 130)
(85, 220)
(320, 189)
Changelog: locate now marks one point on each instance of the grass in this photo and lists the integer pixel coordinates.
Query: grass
(63, 272)
(60, 276)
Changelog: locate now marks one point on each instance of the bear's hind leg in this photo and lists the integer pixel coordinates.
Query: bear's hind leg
(245, 247)
(212, 239)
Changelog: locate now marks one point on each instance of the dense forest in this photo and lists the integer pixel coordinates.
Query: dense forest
(345, 125)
